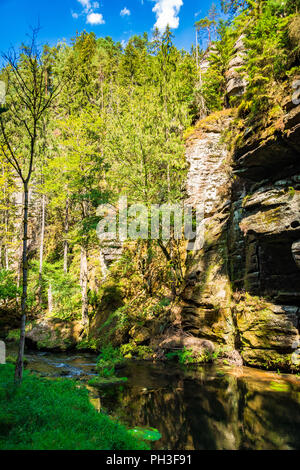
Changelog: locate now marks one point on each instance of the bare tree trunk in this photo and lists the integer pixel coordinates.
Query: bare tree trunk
(50, 299)
(6, 215)
(19, 266)
(5, 246)
(42, 249)
(84, 284)
(20, 249)
(66, 245)
(19, 363)
(197, 52)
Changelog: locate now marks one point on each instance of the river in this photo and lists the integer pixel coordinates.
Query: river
(208, 407)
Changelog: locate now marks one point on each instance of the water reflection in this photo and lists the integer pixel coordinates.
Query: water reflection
(209, 409)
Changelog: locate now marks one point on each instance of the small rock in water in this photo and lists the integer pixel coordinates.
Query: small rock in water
(61, 365)
(64, 373)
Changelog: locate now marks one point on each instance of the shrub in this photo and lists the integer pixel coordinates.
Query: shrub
(8, 286)
(108, 358)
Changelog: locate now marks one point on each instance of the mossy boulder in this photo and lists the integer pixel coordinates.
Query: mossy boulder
(268, 333)
(179, 341)
(140, 334)
(270, 359)
(55, 334)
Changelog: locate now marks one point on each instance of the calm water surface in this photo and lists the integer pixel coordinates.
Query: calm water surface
(207, 408)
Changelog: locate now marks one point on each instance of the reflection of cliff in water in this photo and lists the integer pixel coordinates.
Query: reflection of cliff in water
(207, 409)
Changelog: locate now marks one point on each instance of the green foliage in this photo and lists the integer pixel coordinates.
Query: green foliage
(130, 350)
(270, 55)
(12, 359)
(188, 356)
(100, 140)
(64, 288)
(107, 360)
(117, 320)
(184, 356)
(8, 285)
(88, 343)
(213, 86)
(232, 7)
(13, 335)
(55, 415)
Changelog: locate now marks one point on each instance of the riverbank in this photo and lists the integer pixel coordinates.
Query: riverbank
(55, 415)
(193, 407)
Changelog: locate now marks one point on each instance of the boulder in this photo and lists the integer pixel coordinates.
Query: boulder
(179, 341)
(55, 334)
(296, 252)
(232, 358)
(236, 86)
(140, 334)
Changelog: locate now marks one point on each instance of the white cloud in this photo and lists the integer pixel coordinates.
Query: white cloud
(167, 13)
(125, 12)
(88, 10)
(95, 18)
(85, 3)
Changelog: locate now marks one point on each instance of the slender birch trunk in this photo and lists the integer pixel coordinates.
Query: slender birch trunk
(50, 299)
(20, 250)
(19, 364)
(66, 245)
(6, 216)
(6, 261)
(84, 284)
(42, 249)
(197, 52)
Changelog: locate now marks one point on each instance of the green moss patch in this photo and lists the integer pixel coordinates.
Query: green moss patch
(102, 382)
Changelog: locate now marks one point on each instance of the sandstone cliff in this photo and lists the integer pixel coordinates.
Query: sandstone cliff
(243, 288)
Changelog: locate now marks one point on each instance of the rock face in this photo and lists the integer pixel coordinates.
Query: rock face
(208, 172)
(110, 251)
(236, 82)
(54, 334)
(205, 63)
(206, 301)
(243, 288)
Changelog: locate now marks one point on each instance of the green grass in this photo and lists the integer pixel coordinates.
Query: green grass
(44, 414)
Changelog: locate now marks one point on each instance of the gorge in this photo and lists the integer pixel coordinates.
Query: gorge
(148, 325)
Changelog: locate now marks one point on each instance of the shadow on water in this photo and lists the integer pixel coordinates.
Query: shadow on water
(209, 407)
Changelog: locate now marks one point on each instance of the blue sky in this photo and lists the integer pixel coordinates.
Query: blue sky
(120, 19)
